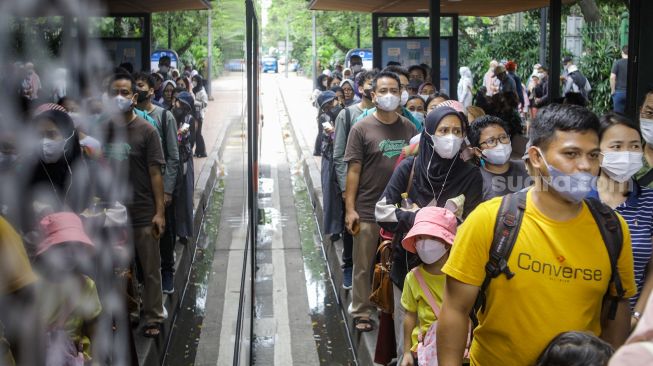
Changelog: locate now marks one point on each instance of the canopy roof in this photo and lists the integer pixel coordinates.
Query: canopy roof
(43, 8)
(154, 6)
(488, 8)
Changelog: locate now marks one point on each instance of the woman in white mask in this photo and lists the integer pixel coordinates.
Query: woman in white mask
(492, 148)
(438, 174)
(645, 176)
(59, 177)
(431, 238)
(621, 158)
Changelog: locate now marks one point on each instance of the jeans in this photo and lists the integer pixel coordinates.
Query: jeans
(619, 101)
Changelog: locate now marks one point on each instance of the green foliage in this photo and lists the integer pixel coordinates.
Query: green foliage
(476, 51)
(600, 49)
(336, 32)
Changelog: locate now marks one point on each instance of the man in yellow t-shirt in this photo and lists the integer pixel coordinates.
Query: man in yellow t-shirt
(561, 265)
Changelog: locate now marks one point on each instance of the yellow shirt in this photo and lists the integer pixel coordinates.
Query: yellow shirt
(562, 272)
(15, 269)
(414, 300)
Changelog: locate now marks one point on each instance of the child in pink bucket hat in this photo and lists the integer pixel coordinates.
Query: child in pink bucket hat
(431, 238)
(67, 294)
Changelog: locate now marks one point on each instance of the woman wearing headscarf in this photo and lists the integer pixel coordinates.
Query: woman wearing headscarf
(438, 174)
(465, 85)
(201, 102)
(347, 86)
(183, 110)
(168, 87)
(60, 164)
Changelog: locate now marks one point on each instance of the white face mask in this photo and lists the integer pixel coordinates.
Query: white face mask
(194, 84)
(404, 98)
(646, 125)
(447, 146)
(622, 165)
(388, 102)
(419, 116)
(356, 68)
(123, 104)
(430, 250)
(51, 150)
(498, 155)
(424, 97)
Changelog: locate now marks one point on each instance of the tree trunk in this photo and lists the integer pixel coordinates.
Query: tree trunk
(590, 11)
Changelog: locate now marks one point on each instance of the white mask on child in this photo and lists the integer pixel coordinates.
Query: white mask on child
(430, 250)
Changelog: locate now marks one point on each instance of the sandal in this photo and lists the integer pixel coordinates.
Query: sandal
(152, 330)
(368, 324)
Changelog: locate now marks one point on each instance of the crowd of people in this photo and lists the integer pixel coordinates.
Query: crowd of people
(508, 227)
(96, 192)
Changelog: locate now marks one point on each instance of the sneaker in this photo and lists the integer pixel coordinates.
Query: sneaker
(346, 278)
(167, 283)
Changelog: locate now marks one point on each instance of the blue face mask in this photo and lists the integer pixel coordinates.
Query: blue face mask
(572, 187)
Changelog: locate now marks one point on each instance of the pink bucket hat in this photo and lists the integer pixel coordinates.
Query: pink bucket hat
(433, 221)
(60, 228)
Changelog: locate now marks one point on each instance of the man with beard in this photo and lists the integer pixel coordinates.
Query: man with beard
(167, 128)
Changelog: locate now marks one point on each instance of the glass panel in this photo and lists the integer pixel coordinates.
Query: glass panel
(118, 27)
(417, 26)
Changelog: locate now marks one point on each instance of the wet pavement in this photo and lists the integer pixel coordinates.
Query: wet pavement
(187, 325)
(298, 319)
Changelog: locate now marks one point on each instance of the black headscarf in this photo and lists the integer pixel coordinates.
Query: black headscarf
(200, 83)
(452, 174)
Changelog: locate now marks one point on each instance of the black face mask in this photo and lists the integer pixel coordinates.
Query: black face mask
(368, 93)
(142, 96)
(334, 111)
(179, 114)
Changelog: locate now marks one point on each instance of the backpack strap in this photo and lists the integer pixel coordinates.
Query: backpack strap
(506, 229)
(347, 119)
(427, 291)
(610, 228)
(164, 127)
(646, 179)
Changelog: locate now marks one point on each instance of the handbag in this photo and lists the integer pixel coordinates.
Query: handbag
(382, 294)
(427, 353)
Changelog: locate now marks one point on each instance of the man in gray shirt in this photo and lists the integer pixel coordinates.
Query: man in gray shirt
(167, 128)
(619, 81)
(344, 122)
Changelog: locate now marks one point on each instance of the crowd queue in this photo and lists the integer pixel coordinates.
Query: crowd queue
(507, 227)
(96, 192)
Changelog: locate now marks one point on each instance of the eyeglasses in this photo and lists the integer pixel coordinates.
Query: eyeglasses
(493, 142)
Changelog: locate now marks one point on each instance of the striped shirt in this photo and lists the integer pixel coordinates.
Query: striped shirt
(637, 210)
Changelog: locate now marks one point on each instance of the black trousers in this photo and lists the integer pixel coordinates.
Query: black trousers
(168, 240)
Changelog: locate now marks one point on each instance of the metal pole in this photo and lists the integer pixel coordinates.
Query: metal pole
(555, 33)
(434, 35)
(314, 53)
(544, 15)
(377, 57)
(358, 31)
(287, 44)
(169, 32)
(209, 61)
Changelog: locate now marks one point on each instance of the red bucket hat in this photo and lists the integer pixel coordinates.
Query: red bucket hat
(60, 228)
(433, 221)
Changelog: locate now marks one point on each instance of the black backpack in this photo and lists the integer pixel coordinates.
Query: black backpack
(506, 229)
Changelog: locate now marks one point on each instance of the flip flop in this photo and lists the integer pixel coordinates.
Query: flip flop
(369, 324)
(152, 330)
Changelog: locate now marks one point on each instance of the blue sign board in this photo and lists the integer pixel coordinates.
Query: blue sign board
(156, 55)
(415, 51)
